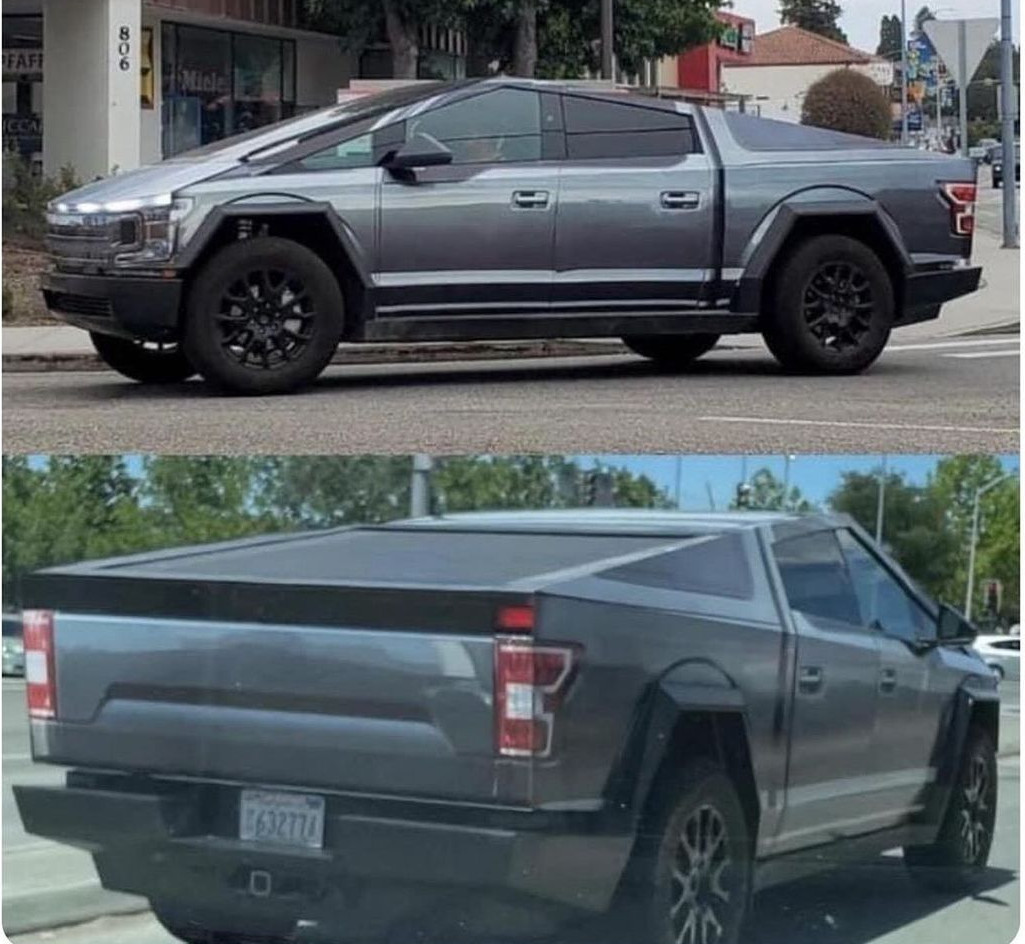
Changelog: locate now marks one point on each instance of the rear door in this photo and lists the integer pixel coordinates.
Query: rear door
(474, 236)
(635, 229)
(828, 785)
(910, 705)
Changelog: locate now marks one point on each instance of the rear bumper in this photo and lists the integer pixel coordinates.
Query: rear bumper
(178, 845)
(925, 292)
(127, 306)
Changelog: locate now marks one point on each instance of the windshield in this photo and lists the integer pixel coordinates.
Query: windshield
(364, 106)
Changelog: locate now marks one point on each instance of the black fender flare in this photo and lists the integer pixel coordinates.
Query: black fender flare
(266, 205)
(777, 227)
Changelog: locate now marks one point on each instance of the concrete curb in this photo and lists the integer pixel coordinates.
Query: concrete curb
(369, 354)
(45, 910)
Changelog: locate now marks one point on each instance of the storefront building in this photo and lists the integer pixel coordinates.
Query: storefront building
(701, 68)
(107, 85)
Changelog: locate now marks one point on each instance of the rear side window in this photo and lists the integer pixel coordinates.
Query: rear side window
(816, 579)
(497, 127)
(601, 129)
(718, 568)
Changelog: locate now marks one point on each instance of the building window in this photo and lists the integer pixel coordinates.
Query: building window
(217, 83)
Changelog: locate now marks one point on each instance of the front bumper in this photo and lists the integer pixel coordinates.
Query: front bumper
(179, 842)
(128, 306)
(926, 292)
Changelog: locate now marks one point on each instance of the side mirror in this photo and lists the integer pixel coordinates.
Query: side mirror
(952, 628)
(421, 150)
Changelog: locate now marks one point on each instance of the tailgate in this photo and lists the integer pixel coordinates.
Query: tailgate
(369, 710)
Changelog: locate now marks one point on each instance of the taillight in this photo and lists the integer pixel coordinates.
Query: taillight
(530, 681)
(517, 618)
(962, 198)
(40, 671)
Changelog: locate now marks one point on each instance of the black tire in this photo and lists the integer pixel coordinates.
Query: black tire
(144, 362)
(264, 316)
(831, 308)
(955, 862)
(671, 351)
(697, 811)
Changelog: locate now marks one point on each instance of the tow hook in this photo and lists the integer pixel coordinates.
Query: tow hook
(260, 883)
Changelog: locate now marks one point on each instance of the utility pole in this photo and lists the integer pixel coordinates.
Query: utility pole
(420, 487)
(962, 81)
(880, 504)
(979, 492)
(904, 72)
(1009, 103)
(606, 40)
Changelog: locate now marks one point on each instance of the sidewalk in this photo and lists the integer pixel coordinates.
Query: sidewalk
(993, 308)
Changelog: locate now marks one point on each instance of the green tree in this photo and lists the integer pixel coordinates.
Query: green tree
(844, 100)
(914, 525)
(816, 16)
(889, 38)
(767, 493)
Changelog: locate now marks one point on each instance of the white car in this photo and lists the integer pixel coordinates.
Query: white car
(1002, 654)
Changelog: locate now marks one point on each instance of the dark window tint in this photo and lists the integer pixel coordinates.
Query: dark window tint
(497, 127)
(345, 155)
(718, 567)
(1010, 644)
(12, 624)
(596, 128)
(816, 579)
(883, 601)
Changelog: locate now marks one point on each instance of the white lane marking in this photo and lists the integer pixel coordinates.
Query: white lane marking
(979, 354)
(942, 345)
(900, 427)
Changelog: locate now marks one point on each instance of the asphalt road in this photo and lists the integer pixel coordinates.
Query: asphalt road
(958, 395)
(49, 886)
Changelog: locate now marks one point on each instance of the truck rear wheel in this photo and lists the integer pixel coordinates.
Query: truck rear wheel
(956, 860)
(693, 879)
(264, 316)
(671, 351)
(831, 309)
(146, 363)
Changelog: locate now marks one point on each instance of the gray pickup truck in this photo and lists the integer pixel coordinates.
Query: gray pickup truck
(504, 723)
(508, 209)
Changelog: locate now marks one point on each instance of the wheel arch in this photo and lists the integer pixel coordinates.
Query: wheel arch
(832, 211)
(311, 224)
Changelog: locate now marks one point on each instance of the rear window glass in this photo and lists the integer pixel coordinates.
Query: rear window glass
(718, 568)
(601, 129)
(764, 134)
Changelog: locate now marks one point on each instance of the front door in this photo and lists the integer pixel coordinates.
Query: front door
(474, 236)
(636, 225)
(910, 707)
(834, 710)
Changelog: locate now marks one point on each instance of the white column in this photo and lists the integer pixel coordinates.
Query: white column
(90, 100)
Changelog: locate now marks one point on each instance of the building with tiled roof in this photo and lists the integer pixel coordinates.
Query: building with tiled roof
(785, 62)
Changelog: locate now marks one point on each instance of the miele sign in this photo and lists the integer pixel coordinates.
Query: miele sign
(23, 61)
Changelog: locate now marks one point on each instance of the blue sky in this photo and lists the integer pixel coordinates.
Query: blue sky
(815, 475)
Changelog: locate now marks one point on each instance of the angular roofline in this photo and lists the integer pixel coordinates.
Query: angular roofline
(860, 56)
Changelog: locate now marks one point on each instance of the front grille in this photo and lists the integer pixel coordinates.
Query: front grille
(90, 239)
(90, 305)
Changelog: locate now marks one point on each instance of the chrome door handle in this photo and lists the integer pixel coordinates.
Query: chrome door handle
(809, 680)
(529, 199)
(888, 680)
(680, 199)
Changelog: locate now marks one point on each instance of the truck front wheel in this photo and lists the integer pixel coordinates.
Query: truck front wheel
(955, 861)
(831, 308)
(694, 869)
(146, 363)
(264, 316)
(671, 351)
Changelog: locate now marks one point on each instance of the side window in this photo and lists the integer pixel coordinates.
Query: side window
(816, 580)
(496, 127)
(1009, 644)
(718, 568)
(882, 599)
(596, 128)
(345, 155)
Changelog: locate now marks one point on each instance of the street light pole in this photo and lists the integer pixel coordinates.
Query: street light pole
(1009, 103)
(979, 492)
(903, 72)
(880, 503)
(606, 39)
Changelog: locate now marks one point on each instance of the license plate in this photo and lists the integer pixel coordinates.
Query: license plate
(291, 819)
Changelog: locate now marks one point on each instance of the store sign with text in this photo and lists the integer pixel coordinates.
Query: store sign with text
(23, 61)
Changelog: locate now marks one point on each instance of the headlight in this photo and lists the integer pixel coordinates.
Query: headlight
(150, 235)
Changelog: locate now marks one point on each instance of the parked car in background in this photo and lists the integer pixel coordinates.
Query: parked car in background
(1002, 655)
(998, 165)
(506, 208)
(512, 722)
(987, 145)
(13, 649)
